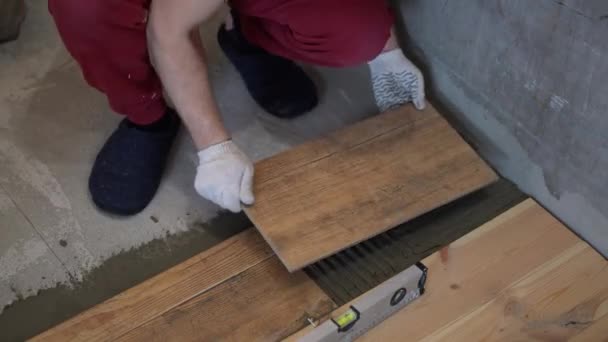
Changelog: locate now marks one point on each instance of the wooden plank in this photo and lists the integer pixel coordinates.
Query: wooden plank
(597, 331)
(140, 304)
(552, 303)
(321, 197)
(264, 303)
(522, 276)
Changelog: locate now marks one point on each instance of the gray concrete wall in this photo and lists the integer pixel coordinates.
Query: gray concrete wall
(529, 81)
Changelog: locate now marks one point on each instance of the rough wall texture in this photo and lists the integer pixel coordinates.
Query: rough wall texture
(529, 80)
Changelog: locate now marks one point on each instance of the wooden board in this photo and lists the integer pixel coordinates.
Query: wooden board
(264, 303)
(598, 331)
(321, 197)
(235, 291)
(142, 303)
(523, 276)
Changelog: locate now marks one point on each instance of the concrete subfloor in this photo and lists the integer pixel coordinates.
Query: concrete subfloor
(51, 126)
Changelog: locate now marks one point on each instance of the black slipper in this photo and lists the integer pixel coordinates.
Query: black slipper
(277, 84)
(129, 167)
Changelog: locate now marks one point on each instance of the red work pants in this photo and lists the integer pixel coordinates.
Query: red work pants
(108, 40)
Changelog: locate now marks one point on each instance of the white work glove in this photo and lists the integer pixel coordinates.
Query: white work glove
(225, 176)
(396, 80)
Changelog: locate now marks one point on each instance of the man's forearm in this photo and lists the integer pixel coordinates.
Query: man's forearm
(179, 59)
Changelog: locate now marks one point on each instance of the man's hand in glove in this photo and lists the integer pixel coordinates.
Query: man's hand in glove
(225, 176)
(396, 81)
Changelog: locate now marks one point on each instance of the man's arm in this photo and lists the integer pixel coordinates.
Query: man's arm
(225, 173)
(179, 58)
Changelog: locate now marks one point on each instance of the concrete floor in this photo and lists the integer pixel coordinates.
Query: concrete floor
(51, 126)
